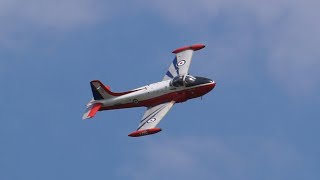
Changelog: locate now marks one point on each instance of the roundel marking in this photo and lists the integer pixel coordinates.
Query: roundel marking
(135, 101)
(182, 62)
(151, 120)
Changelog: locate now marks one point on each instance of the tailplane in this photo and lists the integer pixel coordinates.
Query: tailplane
(91, 111)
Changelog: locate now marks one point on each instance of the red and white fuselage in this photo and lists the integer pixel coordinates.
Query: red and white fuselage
(154, 94)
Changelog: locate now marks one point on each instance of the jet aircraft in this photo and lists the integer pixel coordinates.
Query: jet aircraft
(176, 86)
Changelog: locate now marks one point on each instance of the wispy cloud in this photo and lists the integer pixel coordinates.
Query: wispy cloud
(19, 17)
(60, 14)
(286, 31)
(214, 158)
(294, 57)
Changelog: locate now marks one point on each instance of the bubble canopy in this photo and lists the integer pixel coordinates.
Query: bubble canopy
(189, 81)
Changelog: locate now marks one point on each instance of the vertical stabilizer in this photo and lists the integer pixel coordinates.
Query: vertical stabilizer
(100, 91)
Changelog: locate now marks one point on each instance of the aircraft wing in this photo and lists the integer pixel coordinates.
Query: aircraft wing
(181, 63)
(151, 118)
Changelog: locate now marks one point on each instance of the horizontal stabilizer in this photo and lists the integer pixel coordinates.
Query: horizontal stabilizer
(91, 111)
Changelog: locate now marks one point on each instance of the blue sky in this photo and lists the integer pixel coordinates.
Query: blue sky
(260, 122)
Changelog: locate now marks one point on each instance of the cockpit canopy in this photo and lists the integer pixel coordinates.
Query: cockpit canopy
(188, 81)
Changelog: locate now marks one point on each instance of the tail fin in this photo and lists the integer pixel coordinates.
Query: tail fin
(100, 91)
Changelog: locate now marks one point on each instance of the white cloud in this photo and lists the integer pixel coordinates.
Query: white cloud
(55, 14)
(18, 17)
(214, 158)
(287, 30)
(294, 56)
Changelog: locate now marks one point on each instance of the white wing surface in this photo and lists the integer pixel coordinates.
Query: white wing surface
(181, 63)
(154, 114)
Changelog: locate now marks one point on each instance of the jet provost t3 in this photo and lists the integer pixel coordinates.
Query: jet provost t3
(176, 86)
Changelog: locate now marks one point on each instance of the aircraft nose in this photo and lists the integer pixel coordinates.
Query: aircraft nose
(210, 82)
(213, 84)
